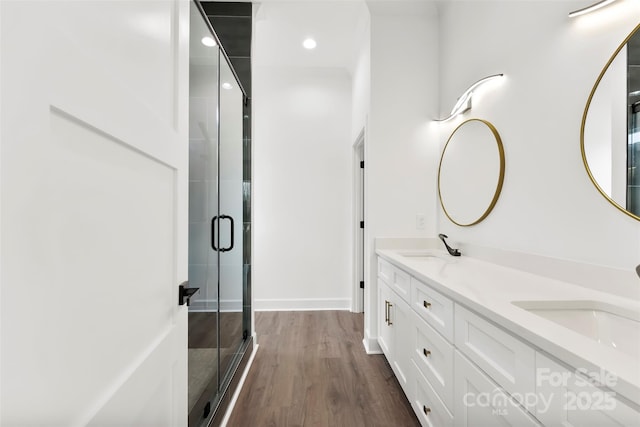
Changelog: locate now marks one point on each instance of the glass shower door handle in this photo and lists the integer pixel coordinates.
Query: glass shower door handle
(232, 233)
(213, 233)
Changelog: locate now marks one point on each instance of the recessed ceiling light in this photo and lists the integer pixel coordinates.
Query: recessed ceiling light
(309, 43)
(208, 41)
(227, 86)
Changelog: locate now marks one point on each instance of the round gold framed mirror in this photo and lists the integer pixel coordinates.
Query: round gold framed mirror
(610, 129)
(471, 172)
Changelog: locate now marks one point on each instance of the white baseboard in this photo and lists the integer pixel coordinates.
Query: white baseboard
(371, 346)
(234, 398)
(303, 304)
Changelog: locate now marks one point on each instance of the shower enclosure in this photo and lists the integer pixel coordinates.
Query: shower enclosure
(633, 160)
(219, 222)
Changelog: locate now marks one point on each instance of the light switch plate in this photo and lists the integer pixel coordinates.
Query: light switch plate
(420, 220)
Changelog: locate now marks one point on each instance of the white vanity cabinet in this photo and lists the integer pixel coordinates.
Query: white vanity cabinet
(417, 343)
(385, 330)
(433, 307)
(566, 398)
(432, 354)
(479, 401)
(432, 351)
(397, 279)
(459, 368)
(427, 403)
(394, 326)
(507, 360)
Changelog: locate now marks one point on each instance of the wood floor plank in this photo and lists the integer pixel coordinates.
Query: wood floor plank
(311, 370)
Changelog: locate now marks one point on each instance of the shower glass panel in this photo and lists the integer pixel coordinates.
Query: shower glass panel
(633, 161)
(231, 224)
(203, 208)
(219, 222)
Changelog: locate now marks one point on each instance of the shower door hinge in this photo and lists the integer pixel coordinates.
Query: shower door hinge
(361, 224)
(362, 164)
(362, 284)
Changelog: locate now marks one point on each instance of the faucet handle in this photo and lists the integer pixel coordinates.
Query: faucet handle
(452, 251)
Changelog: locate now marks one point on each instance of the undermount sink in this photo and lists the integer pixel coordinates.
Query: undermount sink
(609, 325)
(420, 255)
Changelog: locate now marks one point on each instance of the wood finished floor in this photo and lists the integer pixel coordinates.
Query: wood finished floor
(311, 370)
(203, 332)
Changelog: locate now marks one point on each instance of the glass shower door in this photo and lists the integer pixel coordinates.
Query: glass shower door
(633, 161)
(203, 362)
(231, 223)
(219, 221)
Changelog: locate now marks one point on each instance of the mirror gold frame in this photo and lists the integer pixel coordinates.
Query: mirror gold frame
(496, 195)
(584, 121)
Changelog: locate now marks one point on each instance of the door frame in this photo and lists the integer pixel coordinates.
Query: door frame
(358, 213)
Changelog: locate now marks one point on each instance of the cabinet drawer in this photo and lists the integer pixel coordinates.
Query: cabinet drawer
(433, 355)
(428, 407)
(433, 307)
(509, 361)
(481, 402)
(566, 399)
(385, 271)
(396, 278)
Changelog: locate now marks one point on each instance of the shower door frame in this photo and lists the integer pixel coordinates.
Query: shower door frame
(227, 381)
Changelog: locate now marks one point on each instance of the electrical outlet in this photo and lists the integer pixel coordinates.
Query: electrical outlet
(420, 222)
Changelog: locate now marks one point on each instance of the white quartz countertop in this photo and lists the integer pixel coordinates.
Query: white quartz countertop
(489, 289)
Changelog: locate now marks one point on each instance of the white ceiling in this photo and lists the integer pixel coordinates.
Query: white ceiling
(281, 26)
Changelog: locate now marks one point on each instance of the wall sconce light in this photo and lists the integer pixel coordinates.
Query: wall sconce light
(591, 8)
(463, 103)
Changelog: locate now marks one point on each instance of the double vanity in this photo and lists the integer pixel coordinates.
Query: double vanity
(474, 343)
(477, 343)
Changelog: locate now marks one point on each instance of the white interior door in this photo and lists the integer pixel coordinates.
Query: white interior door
(93, 228)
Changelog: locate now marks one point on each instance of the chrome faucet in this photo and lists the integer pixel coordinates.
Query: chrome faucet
(452, 252)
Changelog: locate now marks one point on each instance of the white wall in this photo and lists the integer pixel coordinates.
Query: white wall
(412, 68)
(548, 204)
(302, 188)
(361, 79)
(401, 144)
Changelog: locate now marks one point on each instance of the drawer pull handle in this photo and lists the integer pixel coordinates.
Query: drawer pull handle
(426, 304)
(390, 322)
(426, 410)
(426, 352)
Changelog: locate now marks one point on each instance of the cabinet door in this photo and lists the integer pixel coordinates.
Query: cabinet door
(385, 335)
(566, 399)
(507, 360)
(402, 325)
(481, 402)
